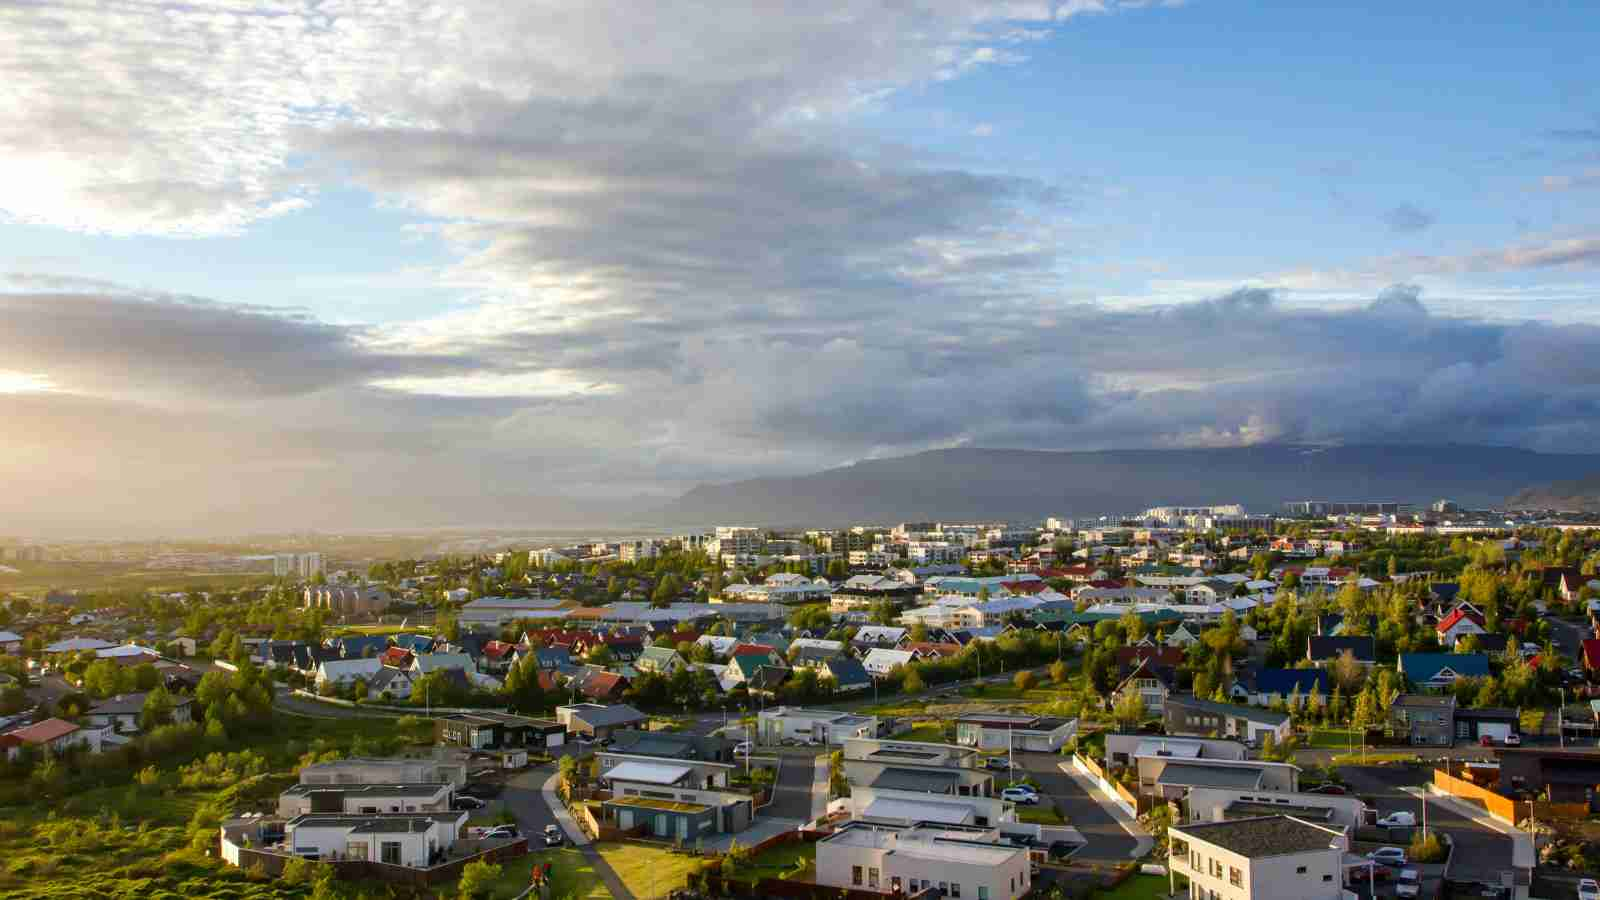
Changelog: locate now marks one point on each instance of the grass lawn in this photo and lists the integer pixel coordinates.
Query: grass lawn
(1333, 739)
(994, 692)
(1139, 887)
(1372, 758)
(1039, 815)
(779, 862)
(927, 731)
(574, 876)
(384, 629)
(647, 871)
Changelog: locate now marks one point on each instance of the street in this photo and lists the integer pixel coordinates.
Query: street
(1107, 841)
(1480, 852)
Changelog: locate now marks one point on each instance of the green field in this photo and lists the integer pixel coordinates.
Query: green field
(1140, 887)
(1333, 739)
(780, 862)
(929, 732)
(572, 874)
(648, 872)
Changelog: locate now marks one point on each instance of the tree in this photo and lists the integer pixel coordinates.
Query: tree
(1348, 673)
(667, 590)
(1129, 710)
(1024, 680)
(157, 710)
(477, 879)
(1060, 672)
(912, 683)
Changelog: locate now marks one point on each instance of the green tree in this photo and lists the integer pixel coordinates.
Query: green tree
(912, 683)
(157, 710)
(477, 880)
(1024, 680)
(1129, 710)
(1060, 672)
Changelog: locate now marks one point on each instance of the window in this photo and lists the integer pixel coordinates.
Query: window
(855, 875)
(1299, 870)
(983, 892)
(390, 851)
(955, 888)
(872, 876)
(1327, 878)
(1235, 877)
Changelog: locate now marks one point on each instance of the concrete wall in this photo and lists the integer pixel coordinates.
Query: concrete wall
(1209, 804)
(835, 865)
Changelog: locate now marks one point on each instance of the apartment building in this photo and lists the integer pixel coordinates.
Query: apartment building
(443, 768)
(358, 799)
(1265, 858)
(961, 863)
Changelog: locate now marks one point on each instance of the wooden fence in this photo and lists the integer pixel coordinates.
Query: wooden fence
(1112, 788)
(1561, 811)
(1497, 805)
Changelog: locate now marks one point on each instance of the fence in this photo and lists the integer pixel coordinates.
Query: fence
(1497, 805)
(1114, 792)
(1566, 811)
(347, 869)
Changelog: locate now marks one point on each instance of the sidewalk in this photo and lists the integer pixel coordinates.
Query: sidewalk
(819, 788)
(1142, 839)
(1523, 855)
(579, 840)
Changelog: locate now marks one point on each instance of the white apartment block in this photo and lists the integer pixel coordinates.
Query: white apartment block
(633, 551)
(962, 863)
(925, 553)
(874, 559)
(1265, 858)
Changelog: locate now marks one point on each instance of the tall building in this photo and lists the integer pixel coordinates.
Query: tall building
(310, 565)
(283, 565)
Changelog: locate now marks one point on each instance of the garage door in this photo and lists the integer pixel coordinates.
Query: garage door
(1497, 730)
(556, 739)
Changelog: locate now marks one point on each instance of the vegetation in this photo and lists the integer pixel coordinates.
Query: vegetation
(648, 872)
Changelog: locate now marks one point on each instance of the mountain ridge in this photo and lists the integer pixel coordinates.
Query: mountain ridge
(1015, 484)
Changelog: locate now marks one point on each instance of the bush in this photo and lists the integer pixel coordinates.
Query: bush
(1024, 680)
(1426, 849)
(477, 879)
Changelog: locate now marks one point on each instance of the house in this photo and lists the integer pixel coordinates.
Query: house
(826, 727)
(414, 840)
(1160, 656)
(51, 737)
(601, 685)
(365, 799)
(870, 636)
(1323, 651)
(399, 657)
(10, 642)
(662, 661)
(597, 721)
(342, 672)
(416, 643)
(1439, 671)
(764, 654)
(489, 730)
(496, 658)
(445, 769)
(847, 675)
(121, 714)
(932, 649)
(1127, 749)
(1153, 683)
(1591, 655)
(1569, 776)
(1171, 778)
(1182, 637)
(428, 663)
(909, 860)
(665, 800)
(1458, 624)
(1221, 804)
(881, 661)
(1190, 715)
(1424, 719)
(1261, 858)
(394, 683)
(720, 645)
(359, 646)
(1008, 731)
(551, 658)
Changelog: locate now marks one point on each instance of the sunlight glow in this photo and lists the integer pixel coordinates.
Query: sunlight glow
(23, 383)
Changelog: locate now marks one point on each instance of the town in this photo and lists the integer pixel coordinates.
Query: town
(1166, 703)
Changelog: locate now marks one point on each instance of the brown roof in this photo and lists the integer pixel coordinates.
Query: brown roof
(43, 732)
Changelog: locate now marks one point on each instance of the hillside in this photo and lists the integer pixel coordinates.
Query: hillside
(1029, 484)
(1582, 494)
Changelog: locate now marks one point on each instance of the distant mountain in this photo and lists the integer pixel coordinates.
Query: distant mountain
(1030, 484)
(1581, 495)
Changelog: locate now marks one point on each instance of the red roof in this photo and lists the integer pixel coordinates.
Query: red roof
(498, 649)
(602, 684)
(1025, 587)
(753, 650)
(1161, 655)
(1450, 621)
(43, 732)
(397, 657)
(1591, 653)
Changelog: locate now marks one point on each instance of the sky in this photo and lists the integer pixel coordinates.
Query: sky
(337, 264)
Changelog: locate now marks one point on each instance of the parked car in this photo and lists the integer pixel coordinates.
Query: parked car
(998, 763)
(503, 831)
(466, 803)
(1408, 884)
(1336, 790)
(1513, 740)
(743, 748)
(1398, 820)
(552, 836)
(1588, 889)
(1024, 795)
(1062, 849)
(1394, 856)
(483, 789)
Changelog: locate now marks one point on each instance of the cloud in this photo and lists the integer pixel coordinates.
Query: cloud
(1408, 218)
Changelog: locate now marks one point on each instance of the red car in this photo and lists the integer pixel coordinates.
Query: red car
(1379, 872)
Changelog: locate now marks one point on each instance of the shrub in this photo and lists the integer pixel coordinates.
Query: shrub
(1426, 849)
(477, 879)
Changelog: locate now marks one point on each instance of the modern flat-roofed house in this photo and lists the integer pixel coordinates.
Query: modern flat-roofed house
(1124, 749)
(443, 768)
(1169, 777)
(1013, 731)
(670, 798)
(1190, 715)
(121, 713)
(1424, 719)
(597, 721)
(1218, 804)
(1262, 858)
(415, 840)
(970, 863)
(826, 727)
(354, 799)
(489, 730)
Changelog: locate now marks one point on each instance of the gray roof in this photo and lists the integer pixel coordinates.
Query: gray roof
(1199, 775)
(131, 705)
(1266, 836)
(902, 779)
(616, 714)
(1252, 713)
(410, 789)
(368, 823)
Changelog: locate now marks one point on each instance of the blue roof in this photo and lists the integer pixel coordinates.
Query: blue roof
(848, 671)
(1420, 667)
(1284, 681)
(414, 642)
(357, 645)
(1445, 590)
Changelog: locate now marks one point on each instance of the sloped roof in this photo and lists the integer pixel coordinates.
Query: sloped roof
(1420, 667)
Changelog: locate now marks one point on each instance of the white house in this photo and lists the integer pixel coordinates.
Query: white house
(340, 672)
(122, 713)
(1262, 858)
(399, 840)
(961, 862)
(880, 661)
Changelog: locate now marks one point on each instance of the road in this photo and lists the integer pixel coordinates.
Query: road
(1480, 851)
(791, 796)
(1107, 841)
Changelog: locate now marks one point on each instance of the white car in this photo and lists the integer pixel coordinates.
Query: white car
(1389, 856)
(1588, 889)
(1513, 740)
(743, 748)
(1027, 796)
(1408, 884)
(1398, 820)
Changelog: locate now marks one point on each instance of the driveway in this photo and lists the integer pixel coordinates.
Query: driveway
(1480, 851)
(791, 796)
(1107, 841)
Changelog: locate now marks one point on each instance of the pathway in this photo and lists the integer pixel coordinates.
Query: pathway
(581, 841)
